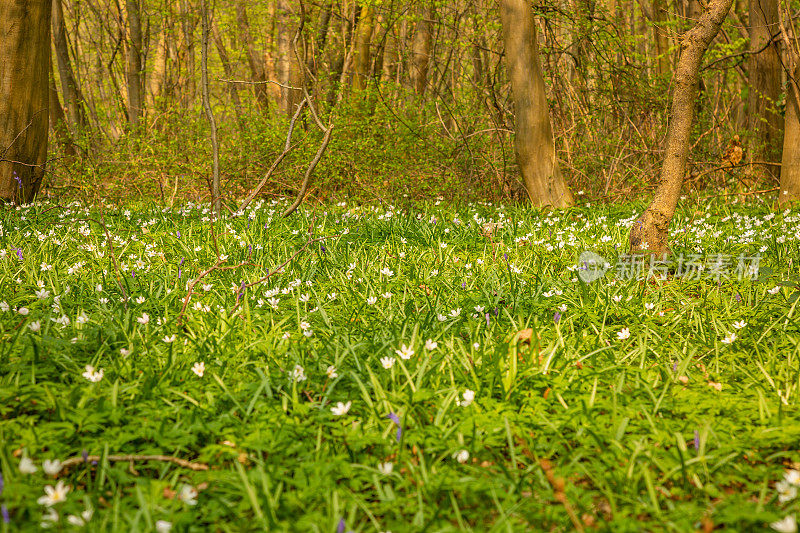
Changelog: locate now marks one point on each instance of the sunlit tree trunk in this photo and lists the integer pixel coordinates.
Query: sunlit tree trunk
(534, 142)
(363, 56)
(24, 96)
(651, 231)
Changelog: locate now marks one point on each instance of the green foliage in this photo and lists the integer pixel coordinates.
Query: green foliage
(635, 426)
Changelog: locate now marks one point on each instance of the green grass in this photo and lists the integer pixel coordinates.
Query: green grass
(636, 427)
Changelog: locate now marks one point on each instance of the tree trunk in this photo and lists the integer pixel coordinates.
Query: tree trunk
(660, 31)
(229, 73)
(58, 121)
(159, 76)
(288, 70)
(651, 231)
(134, 68)
(790, 162)
(764, 120)
(421, 50)
(24, 86)
(69, 87)
(534, 142)
(362, 52)
(254, 59)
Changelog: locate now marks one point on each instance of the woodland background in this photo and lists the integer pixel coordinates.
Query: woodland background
(418, 93)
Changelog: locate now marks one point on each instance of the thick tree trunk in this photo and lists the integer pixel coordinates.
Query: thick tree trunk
(421, 50)
(534, 142)
(790, 162)
(134, 67)
(764, 121)
(24, 96)
(69, 87)
(651, 231)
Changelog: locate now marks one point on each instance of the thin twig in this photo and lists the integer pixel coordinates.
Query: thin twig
(133, 457)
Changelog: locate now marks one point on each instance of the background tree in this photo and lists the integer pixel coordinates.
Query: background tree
(650, 233)
(534, 143)
(24, 96)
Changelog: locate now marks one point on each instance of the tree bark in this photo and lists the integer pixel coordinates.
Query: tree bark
(366, 25)
(58, 121)
(421, 50)
(229, 73)
(534, 143)
(650, 232)
(134, 67)
(790, 161)
(159, 76)
(255, 60)
(24, 105)
(764, 120)
(69, 86)
(288, 70)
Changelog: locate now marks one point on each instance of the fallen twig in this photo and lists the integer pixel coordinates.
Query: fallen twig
(133, 457)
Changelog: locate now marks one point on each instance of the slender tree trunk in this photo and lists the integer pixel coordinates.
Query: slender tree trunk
(764, 120)
(790, 161)
(134, 68)
(215, 196)
(58, 121)
(159, 76)
(69, 87)
(421, 50)
(660, 31)
(651, 231)
(255, 60)
(366, 25)
(534, 142)
(288, 70)
(186, 80)
(320, 37)
(24, 86)
(229, 73)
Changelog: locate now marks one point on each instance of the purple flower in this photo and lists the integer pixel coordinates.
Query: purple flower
(675, 366)
(505, 256)
(464, 285)
(178, 233)
(18, 180)
(241, 292)
(133, 273)
(341, 526)
(487, 320)
(85, 454)
(179, 272)
(4, 513)
(696, 440)
(396, 419)
(19, 253)
(556, 317)
(738, 297)
(1, 484)
(182, 258)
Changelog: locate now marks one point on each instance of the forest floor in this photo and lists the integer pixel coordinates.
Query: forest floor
(411, 368)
